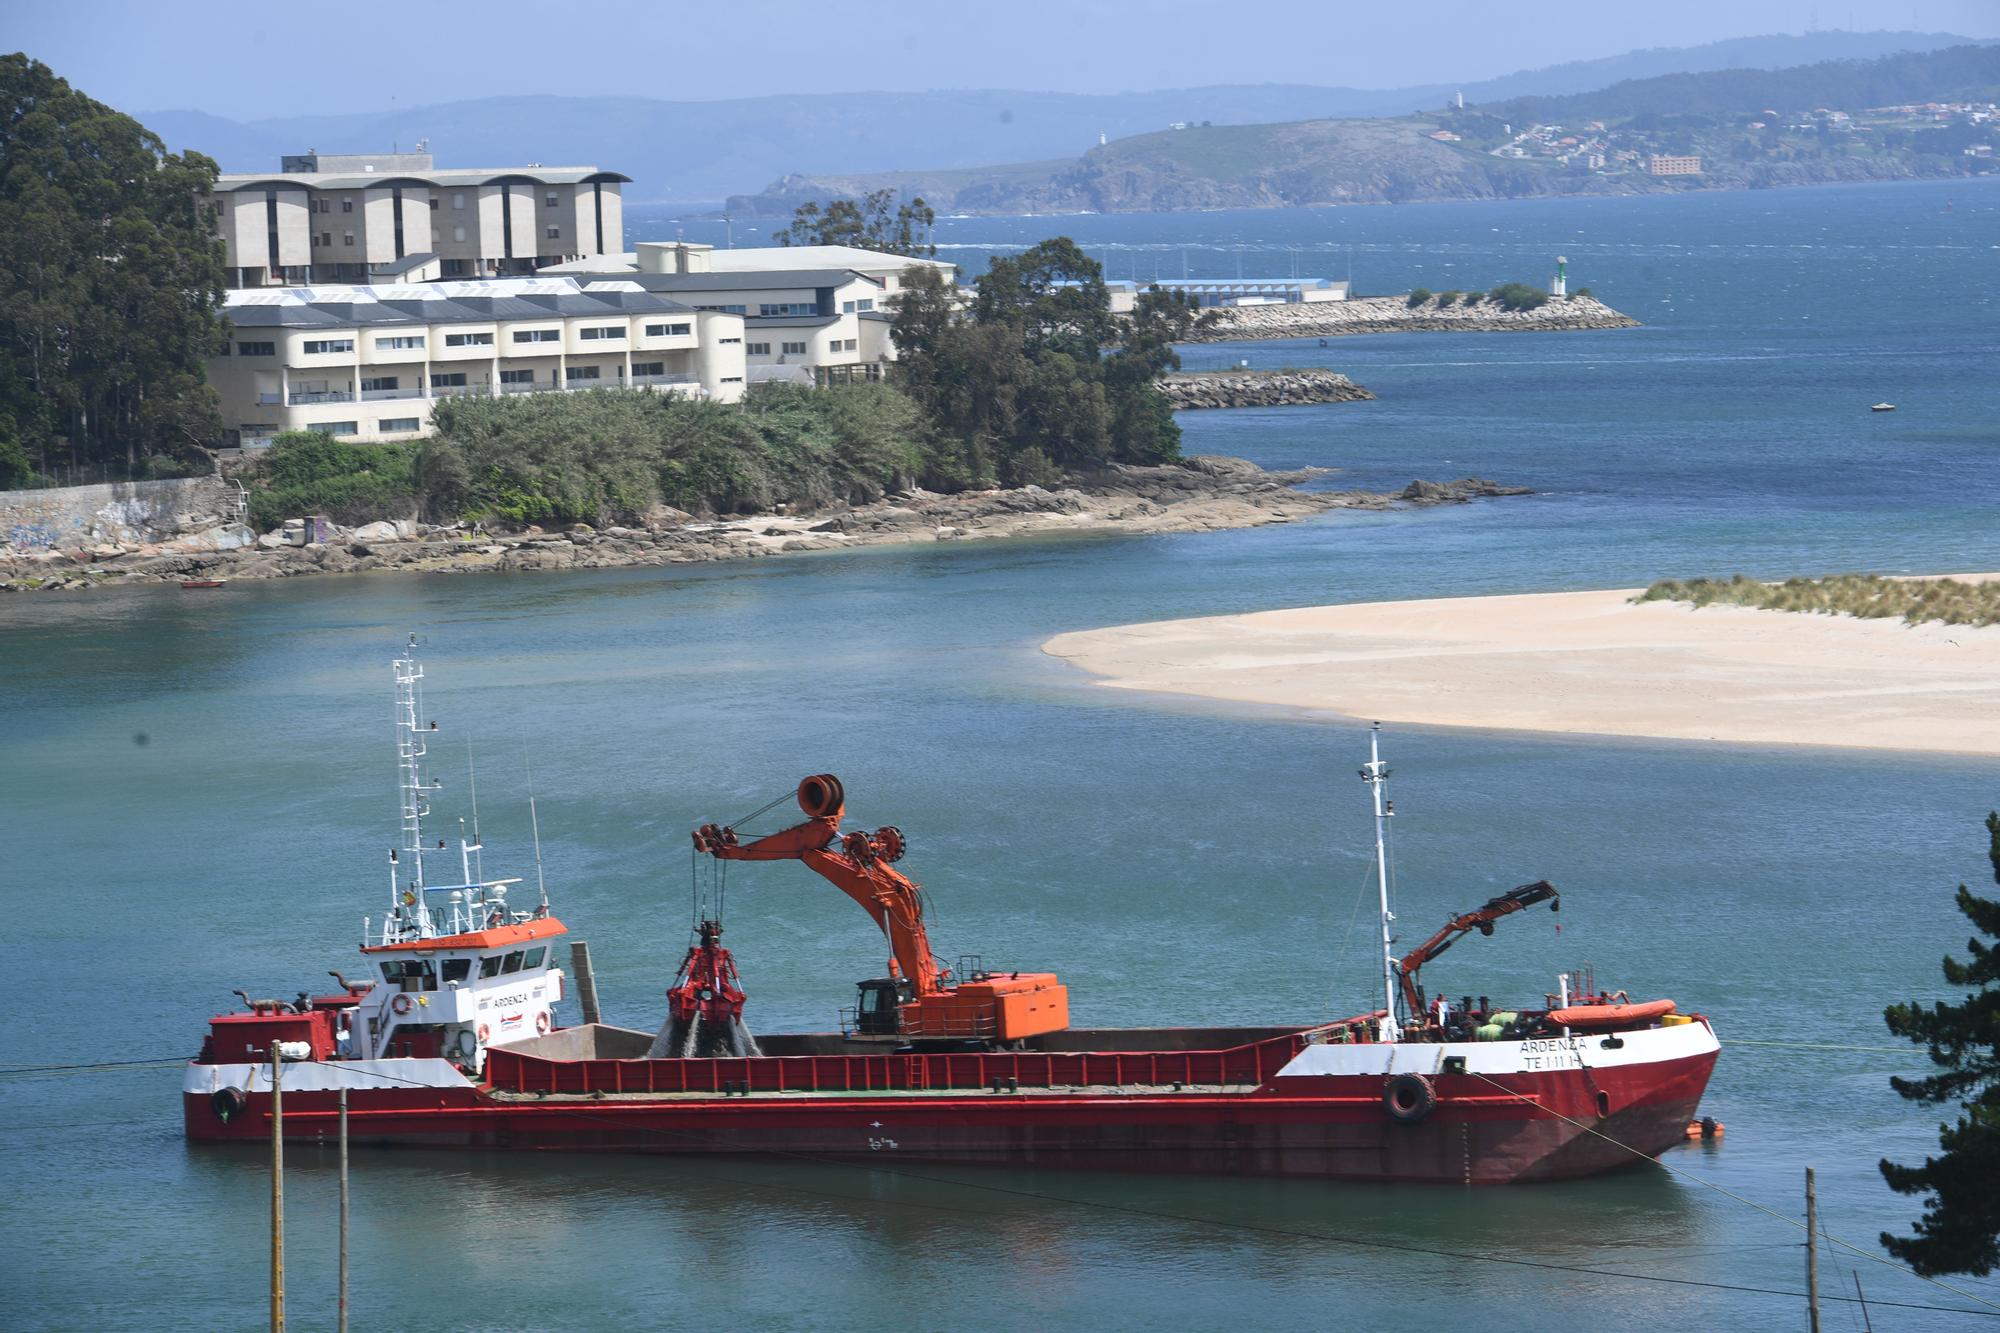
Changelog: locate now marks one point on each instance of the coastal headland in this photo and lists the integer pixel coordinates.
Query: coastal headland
(1392, 314)
(1204, 494)
(1582, 662)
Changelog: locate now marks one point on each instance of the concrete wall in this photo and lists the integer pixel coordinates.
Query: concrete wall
(70, 517)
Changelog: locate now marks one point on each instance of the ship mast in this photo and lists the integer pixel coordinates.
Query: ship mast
(1375, 773)
(408, 910)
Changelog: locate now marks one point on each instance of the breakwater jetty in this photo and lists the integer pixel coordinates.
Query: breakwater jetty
(1393, 314)
(1259, 388)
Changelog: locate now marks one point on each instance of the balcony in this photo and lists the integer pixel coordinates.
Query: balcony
(458, 391)
(641, 381)
(525, 388)
(301, 397)
(269, 399)
(378, 395)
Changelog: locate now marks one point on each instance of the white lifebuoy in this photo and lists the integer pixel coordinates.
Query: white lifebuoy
(542, 1022)
(402, 1003)
(485, 1034)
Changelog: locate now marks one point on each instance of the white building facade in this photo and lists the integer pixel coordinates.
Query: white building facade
(369, 363)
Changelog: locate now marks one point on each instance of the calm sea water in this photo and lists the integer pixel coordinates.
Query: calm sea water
(198, 791)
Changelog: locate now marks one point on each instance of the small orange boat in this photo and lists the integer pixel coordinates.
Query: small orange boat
(1609, 1015)
(202, 583)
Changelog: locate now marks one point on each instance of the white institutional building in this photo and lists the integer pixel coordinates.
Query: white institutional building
(393, 217)
(367, 363)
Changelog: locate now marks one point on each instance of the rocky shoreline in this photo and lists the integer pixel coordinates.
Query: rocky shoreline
(1205, 494)
(1390, 314)
(1259, 388)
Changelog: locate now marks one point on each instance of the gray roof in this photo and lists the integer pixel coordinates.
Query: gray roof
(740, 282)
(458, 176)
(339, 310)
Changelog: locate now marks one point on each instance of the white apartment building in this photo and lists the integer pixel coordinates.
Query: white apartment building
(365, 218)
(368, 363)
(814, 314)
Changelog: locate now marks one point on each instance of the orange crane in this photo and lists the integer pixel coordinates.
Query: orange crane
(1480, 919)
(918, 1000)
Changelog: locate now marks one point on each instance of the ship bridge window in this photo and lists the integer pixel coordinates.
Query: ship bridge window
(512, 965)
(489, 967)
(456, 970)
(410, 973)
(534, 959)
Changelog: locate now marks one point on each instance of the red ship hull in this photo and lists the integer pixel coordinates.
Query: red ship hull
(1090, 1111)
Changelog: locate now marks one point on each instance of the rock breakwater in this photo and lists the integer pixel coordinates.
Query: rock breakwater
(1201, 494)
(1391, 314)
(1259, 388)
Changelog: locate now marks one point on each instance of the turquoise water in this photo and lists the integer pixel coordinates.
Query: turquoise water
(1176, 864)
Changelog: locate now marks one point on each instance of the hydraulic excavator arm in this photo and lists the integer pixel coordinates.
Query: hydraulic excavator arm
(858, 864)
(1480, 919)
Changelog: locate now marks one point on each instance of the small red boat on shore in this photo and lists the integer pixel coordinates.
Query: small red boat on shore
(450, 1040)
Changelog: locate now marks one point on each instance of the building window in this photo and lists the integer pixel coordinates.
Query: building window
(783, 308)
(732, 379)
(751, 349)
(728, 342)
(402, 343)
(725, 309)
(607, 333)
(793, 349)
(554, 233)
(434, 208)
(346, 206)
(256, 349)
(377, 383)
(337, 428)
(394, 425)
(537, 335)
(667, 330)
(575, 373)
(649, 368)
(468, 340)
(865, 303)
(324, 346)
(346, 238)
(548, 201)
(517, 377)
(458, 233)
(326, 238)
(458, 201)
(453, 379)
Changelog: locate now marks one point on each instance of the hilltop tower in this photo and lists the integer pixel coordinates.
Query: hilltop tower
(1559, 286)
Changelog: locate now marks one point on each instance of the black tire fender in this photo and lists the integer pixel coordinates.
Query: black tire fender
(1409, 1099)
(227, 1103)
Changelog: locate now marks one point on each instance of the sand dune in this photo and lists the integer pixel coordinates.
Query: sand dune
(1587, 662)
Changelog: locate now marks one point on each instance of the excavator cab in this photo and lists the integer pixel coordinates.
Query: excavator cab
(877, 1011)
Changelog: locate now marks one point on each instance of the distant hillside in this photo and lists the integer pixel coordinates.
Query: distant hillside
(1593, 143)
(1960, 73)
(704, 150)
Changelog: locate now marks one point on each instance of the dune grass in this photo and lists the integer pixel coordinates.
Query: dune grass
(1869, 596)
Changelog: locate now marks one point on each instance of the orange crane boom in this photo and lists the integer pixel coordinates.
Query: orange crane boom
(928, 1002)
(1480, 919)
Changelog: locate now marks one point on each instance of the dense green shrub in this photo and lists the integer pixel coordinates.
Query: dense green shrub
(1417, 297)
(609, 455)
(1446, 300)
(307, 472)
(1517, 296)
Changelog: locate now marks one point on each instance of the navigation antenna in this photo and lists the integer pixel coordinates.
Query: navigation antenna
(535, 823)
(1375, 773)
(406, 903)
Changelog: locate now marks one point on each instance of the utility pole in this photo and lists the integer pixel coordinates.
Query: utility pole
(343, 1210)
(1812, 1254)
(277, 1191)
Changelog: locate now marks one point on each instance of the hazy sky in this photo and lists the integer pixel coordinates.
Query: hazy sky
(254, 58)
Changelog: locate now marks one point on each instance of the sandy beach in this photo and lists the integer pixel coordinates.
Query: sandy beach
(1582, 662)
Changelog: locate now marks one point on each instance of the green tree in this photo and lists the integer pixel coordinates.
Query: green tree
(873, 222)
(310, 472)
(1417, 297)
(1960, 1229)
(111, 279)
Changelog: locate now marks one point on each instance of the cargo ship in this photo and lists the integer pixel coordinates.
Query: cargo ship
(448, 1038)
